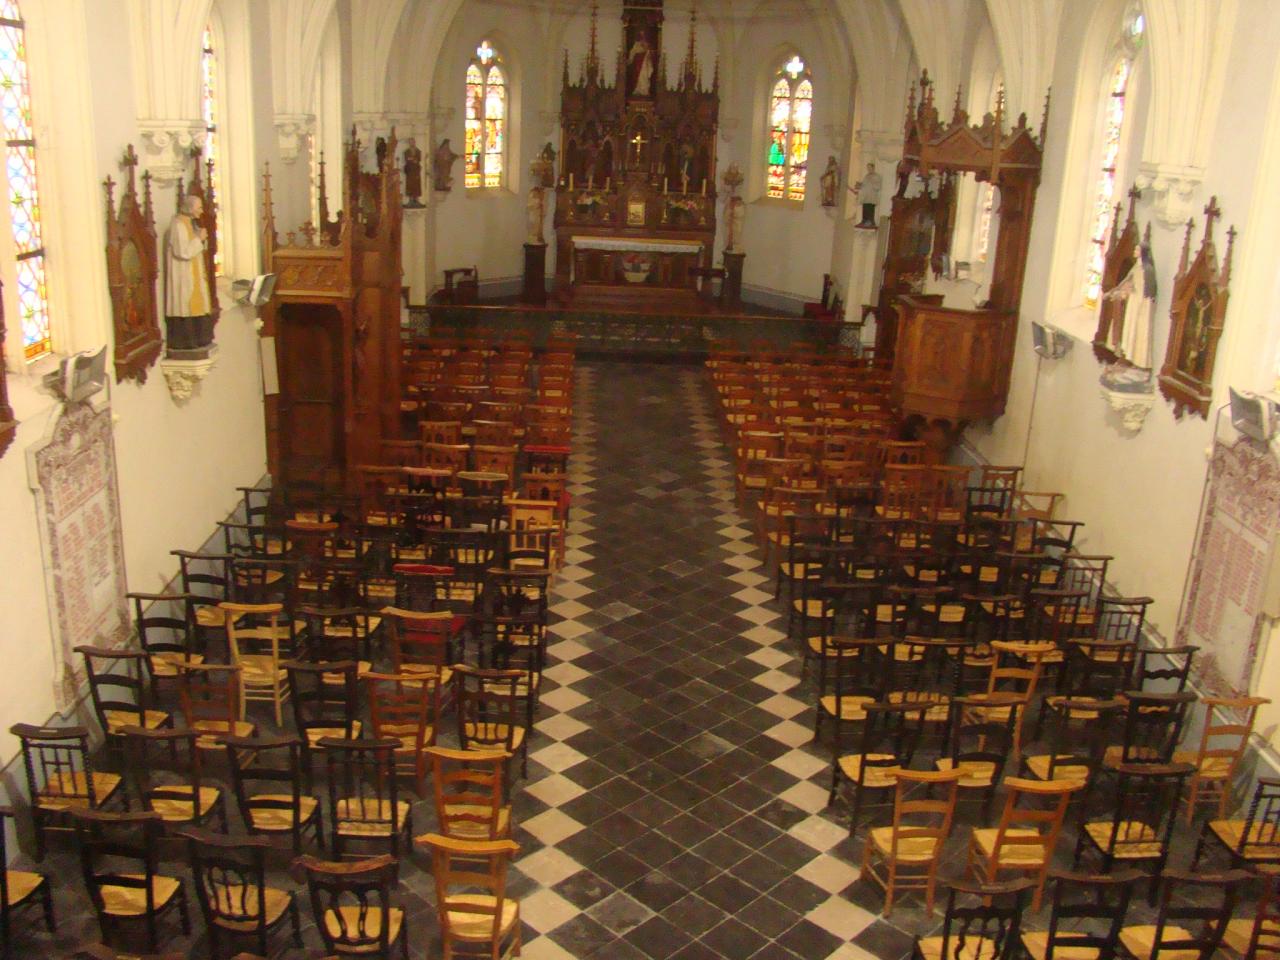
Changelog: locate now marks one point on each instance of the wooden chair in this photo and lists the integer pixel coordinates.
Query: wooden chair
(888, 740)
(166, 769)
(364, 797)
(267, 775)
(1253, 841)
(19, 889)
(1078, 734)
(987, 929)
(1166, 666)
(492, 712)
(260, 647)
(1192, 918)
(120, 859)
(1025, 838)
(911, 848)
(469, 919)
(1228, 723)
(341, 632)
(326, 704)
(206, 576)
(352, 906)
(1152, 727)
(405, 707)
(1142, 813)
(166, 638)
(424, 642)
(1257, 937)
(60, 780)
(119, 682)
(469, 793)
(441, 431)
(209, 694)
(979, 744)
(230, 875)
(1087, 914)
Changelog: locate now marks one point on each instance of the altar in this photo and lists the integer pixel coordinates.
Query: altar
(635, 214)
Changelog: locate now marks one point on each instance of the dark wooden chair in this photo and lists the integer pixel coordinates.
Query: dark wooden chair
(1140, 820)
(352, 906)
(120, 685)
(364, 796)
(19, 890)
(982, 921)
(1254, 840)
(230, 876)
(60, 780)
(1153, 725)
(1087, 914)
(166, 771)
(492, 711)
(405, 707)
(206, 576)
(267, 775)
(166, 625)
(1193, 914)
(326, 702)
(461, 285)
(888, 740)
(979, 744)
(120, 859)
(210, 697)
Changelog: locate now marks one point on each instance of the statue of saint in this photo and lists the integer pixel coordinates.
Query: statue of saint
(187, 309)
(735, 215)
(442, 166)
(548, 169)
(534, 212)
(868, 190)
(380, 151)
(830, 181)
(412, 174)
(640, 68)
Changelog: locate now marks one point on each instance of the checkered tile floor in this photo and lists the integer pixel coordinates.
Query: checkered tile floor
(675, 807)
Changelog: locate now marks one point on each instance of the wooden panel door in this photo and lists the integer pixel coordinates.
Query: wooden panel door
(309, 360)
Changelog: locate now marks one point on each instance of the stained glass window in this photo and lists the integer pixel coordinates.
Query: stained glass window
(24, 193)
(790, 122)
(1101, 214)
(486, 120)
(209, 108)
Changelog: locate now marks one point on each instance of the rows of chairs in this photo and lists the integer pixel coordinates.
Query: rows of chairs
(397, 641)
(962, 646)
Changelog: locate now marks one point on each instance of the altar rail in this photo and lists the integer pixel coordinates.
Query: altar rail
(625, 333)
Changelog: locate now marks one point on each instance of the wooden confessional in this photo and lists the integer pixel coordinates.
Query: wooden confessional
(953, 365)
(334, 323)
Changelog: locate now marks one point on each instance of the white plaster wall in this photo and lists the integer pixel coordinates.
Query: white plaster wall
(1139, 494)
(178, 465)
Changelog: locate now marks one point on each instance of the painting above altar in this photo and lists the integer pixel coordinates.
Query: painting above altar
(636, 197)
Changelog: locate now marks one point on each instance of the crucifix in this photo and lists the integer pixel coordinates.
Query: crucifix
(1211, 213)
(638, 141)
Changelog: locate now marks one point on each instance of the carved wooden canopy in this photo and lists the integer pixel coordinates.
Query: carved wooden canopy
(1197, 313)
(132, 269)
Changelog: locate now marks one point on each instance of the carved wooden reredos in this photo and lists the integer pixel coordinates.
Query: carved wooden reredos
(335, 322)
(133, 265)
(1122, 253)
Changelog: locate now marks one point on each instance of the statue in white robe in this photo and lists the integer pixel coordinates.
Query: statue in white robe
(186, 288)
(1130, 339)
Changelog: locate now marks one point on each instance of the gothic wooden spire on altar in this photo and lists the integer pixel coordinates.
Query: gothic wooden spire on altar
(133, 267)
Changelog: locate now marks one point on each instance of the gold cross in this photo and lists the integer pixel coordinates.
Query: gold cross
(639, 141)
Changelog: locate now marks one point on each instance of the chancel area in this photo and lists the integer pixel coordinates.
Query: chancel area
(788, 480)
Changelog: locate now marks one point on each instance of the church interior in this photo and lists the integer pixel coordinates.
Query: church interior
(772, 479)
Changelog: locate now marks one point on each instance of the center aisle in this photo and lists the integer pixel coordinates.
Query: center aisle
(675, 806)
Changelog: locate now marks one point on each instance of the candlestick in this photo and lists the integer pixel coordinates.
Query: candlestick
(591, 181)
(664, 184)
(571, 181)
(608, 183)
(704, 186)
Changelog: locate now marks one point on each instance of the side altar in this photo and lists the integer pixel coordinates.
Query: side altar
(635, 214)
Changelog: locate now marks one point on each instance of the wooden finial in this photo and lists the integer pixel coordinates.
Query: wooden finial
(593, 60)
(146, 195)
(1186, 246)
(955, 110)
(1211, 213)
(1044, 117)
(323, 188)
(109, 186)
(690, 58)
(1115, 224)
(1226, 260)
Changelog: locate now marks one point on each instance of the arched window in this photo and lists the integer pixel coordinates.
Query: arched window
(486, 119)
(24, 193)
(1115, 94)
(790, 119)
(209, 109)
